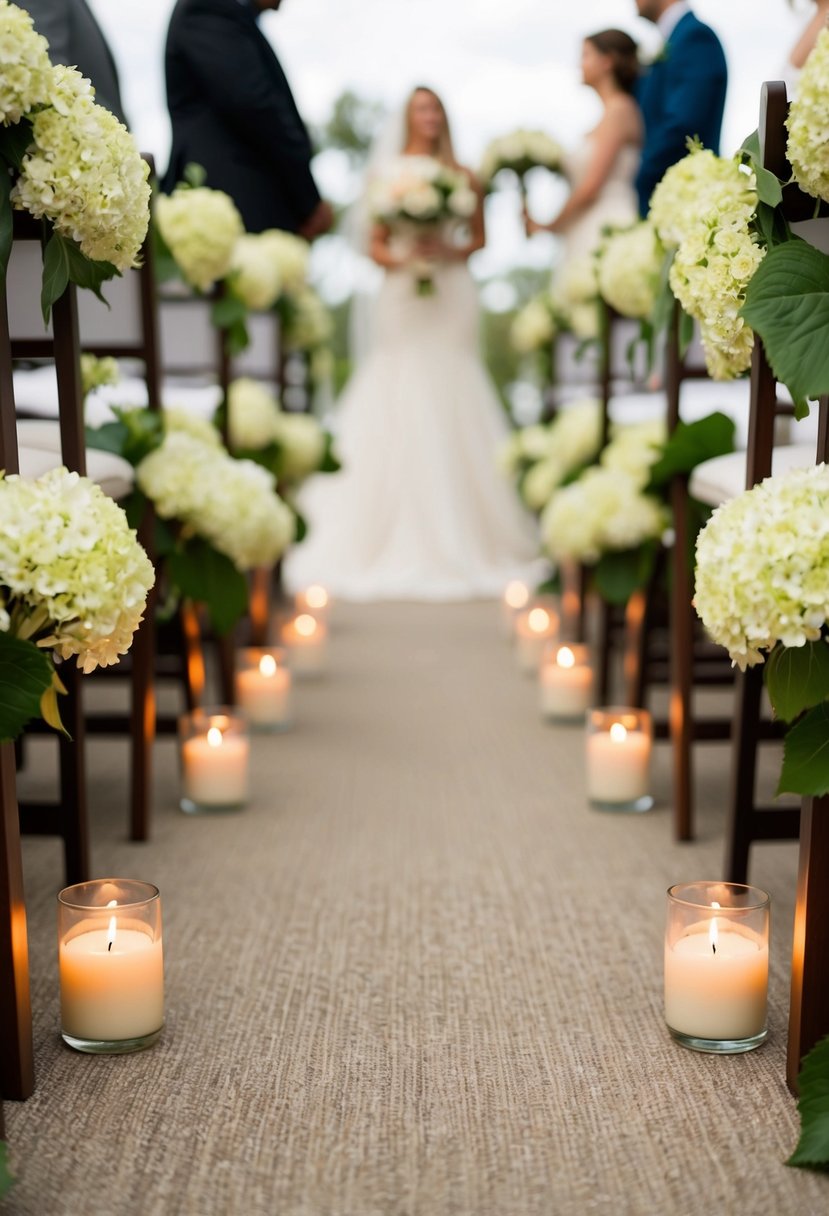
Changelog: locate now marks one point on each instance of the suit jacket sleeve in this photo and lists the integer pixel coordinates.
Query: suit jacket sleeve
(696, 68)
(53, 22)
(228, 64)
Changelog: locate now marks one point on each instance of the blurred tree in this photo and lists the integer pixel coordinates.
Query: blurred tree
(353, 124)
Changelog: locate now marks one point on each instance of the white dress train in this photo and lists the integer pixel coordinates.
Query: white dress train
(420, 510)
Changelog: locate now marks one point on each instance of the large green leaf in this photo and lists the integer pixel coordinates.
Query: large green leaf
(787, 304)
(25, 675)
(6, 1178)
(812, 1150)
(63, 263)
(797, 678)
(617, 575)
(806, 755)
(133, 435)
(201, 573)
(690, 445)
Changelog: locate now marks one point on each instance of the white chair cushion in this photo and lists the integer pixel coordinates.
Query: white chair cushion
(35, 392)
(39, 451)
(716, 481)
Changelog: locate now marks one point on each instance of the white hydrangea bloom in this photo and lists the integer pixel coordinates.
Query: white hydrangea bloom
(95, 372)
(539, 483)
(635, 448)
(630, 262)
(575, 296)
(253, 415)
(603, 511)
(290, 253)
(702, 186)
(83, 172)
(543, 455)
(254, 277)
(25, 67)
(200, 228)
(74, 577)
(808, 122)
(309, 323)
(302, 446)
(763, 566)
(534, 326)
(193, 425)
(232, 504)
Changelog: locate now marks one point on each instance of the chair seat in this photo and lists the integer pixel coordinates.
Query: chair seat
(36, 393)
(699, 398)
(39, 451)
(716, 481)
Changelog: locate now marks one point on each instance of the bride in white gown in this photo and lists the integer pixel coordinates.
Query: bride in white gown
(602, 171)
(420, 510)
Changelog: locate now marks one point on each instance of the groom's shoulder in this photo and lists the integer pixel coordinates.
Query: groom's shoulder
(231, 9)
(691, 30)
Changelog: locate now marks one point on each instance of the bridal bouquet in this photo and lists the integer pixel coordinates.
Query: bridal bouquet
(73, 584)
(770, 600)
(420, 196)
(67, 161)
(519, 152)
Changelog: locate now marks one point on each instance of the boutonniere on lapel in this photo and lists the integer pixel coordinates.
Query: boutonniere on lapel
(661, 56)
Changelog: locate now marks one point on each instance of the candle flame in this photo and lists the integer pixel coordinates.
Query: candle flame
(305, 625)
(113, 924)
(267, 665)
(214, 737)
(316, 596)
(516, 595)
(565, 657)
(539, 620)
(618, 732)
(714, 929)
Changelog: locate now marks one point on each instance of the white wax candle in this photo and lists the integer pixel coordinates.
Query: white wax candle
(516, 597)
(564, 688)
(717, 993)
(618, 765)
(315, 601)
(263, 693)
(307, 641)
(109, 994)
(534, 630)
(215, 769)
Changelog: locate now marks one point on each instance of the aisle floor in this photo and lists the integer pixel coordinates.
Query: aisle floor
(416, 977)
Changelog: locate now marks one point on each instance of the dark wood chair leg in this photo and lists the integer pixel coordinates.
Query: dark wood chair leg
(72, 761)
(17, 1079)
(226, 649)
(809, 1010)
(604, 639)
(142, 726)
(681, 721)
(744, 774)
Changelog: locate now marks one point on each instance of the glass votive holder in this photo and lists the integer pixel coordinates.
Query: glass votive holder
(263, 688)
(315, 600)
(565, 683)
(516, 596)
(306, 640)
(619, 744)
(215, 753)
(111, 965)
(536, 626)
(717, 966)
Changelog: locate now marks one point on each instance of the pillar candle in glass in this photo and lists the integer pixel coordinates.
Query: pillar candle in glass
(111, 965)
(516, 596)
(717, 966)
(535, 629)
(263, 688)
(306, 640)
(314, 600)
(215, 754)
(619, 745)
(565, 683)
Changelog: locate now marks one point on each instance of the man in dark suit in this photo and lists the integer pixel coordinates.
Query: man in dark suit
(683, 93)
(76, 39)
(232, 112)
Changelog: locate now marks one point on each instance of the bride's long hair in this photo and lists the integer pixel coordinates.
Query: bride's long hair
(623, 54)
(444, 150)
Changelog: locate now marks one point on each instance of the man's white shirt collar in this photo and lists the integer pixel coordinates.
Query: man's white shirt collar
(671, 18)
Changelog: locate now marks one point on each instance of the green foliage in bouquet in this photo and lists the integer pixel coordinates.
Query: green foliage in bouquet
(812, 1152)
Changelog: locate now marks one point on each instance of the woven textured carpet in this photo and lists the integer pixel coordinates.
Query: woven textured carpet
(416, 977)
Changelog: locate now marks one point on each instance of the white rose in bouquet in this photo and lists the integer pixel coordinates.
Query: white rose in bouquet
(200, 228)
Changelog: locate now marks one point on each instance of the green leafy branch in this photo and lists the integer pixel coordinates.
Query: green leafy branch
(797, 680)
(812, 1152)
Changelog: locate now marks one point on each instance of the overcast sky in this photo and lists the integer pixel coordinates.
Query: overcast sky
(498, 63)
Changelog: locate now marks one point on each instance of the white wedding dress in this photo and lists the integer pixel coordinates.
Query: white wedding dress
(616, 204)
(420, 510)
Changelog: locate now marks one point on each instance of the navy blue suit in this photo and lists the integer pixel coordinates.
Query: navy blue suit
(232, 112)
(683, 94)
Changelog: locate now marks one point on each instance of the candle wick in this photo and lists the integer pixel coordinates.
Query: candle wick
(109, 947)
(713, 947)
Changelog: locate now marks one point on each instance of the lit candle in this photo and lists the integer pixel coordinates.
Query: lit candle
(314, 600)
(307, 642)
(716, 968)
(214, 761)
(535, 628)
(263, 689)
(565, 683)
(516, 597)
(111, 966)
(619, 744)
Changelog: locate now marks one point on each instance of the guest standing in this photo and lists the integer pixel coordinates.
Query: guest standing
(233, 113)
(75, 38)
(683, 93)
